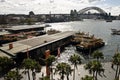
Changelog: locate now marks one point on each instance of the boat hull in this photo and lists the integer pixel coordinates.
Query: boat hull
(86, 50)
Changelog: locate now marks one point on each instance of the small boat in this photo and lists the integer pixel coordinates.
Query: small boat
(53, 31)
(115, 32)
(109, 20)
(47, 25)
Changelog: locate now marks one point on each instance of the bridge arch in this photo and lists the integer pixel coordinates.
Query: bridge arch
(92, 8)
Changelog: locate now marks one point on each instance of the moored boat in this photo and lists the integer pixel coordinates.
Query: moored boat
(115, 32)
(88, 48)
(89, 43)
(109, 20)
(53, 31)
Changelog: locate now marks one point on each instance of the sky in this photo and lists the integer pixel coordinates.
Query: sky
(56, 6)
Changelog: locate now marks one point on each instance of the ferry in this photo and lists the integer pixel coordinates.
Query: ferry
(90, 46)
(115, 32)
(108, 20)
(52, 31)
(88, 43)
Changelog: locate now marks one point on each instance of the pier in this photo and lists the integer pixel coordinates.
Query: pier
(37, 45)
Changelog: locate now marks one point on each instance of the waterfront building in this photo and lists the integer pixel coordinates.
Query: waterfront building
(37, 45)
(21, 32)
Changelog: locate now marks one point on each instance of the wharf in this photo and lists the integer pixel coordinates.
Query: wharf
(24, 28)
(38, 45)
(20, 32)
(2, 54)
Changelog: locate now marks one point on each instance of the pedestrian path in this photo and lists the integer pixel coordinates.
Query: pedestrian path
(80, 72)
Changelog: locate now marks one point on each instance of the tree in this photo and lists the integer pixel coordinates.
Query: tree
(13, 75)
(5, 64)
(98, 55)
(94, 67)
(29, 21)
(45, 78)
(68, 71)
(31, 13)
(75, 60)
(3, 19)
(116, 61)
(87, 77)
(63, 69)
(49, 62)
(29, 64)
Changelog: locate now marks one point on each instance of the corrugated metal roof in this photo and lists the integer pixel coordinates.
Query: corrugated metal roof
(48, 38)
(4, 32)
(17, 47)
(2, 54)
(32, 43)
(22, 27)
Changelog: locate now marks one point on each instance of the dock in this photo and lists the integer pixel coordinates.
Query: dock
(37, 45)
(25, 28)
(20, 32)
(2, 54)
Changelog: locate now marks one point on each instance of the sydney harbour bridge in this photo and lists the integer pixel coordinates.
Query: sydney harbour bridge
(85, 14)
(100, 15)
(82, 11)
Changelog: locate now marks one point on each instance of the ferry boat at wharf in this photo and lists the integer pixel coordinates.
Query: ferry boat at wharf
(115, 32)
(86, 43)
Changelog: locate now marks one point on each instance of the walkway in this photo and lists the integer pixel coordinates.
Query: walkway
(80, 72)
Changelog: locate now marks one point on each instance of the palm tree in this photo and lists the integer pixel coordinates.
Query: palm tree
(45, 78)
(29, 64)
(13, 75)
(49, 62)
(98, 55)
(63, 69)
(5, 64)
(94, 67)
(68, 71)
(87, 77)
(75, 60)
(116, 61)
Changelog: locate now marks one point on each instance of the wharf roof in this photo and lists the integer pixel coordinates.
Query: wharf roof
(4, 32)
(2, 54)
(35, 42)
(23, 27)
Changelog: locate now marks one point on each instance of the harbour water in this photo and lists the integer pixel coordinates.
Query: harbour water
(100, 28)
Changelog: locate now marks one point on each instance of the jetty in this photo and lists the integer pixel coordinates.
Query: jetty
(37, 45)
(20, 32)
